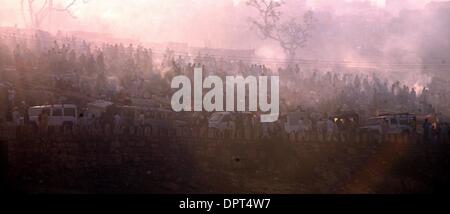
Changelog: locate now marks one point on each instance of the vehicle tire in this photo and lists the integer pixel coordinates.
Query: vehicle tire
(67, 125)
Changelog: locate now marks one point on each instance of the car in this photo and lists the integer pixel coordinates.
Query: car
(401, 123)
(228, 122)
(221, 120)
(59, 114)
(97, 108)
(346, 120)
(147, 117)
(373, 126)
(3, 102)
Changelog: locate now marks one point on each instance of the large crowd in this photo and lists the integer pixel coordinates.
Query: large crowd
(38, 69)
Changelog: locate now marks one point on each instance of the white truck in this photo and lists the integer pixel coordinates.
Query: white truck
(59, 115)
(389, 124)
(221, 121)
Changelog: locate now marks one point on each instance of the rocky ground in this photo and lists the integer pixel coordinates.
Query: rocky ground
(69, 163)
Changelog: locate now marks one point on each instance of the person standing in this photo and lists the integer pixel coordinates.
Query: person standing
(301, 129)
(264, 131)
(16, 120)
(330, 129)
(141, 119)
(117, 124)
(24, 112)
(445, 132)
(435, 132)
(385, 128)
(16, 116)
(257, 126)
(322, 129)
(426, 131)
(239, 126)
(43, 121)
(307, 128)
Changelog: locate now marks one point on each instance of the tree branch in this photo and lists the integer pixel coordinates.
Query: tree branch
(67, 7)
(291, 35)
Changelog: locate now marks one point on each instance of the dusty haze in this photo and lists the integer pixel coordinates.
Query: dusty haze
(394, 36)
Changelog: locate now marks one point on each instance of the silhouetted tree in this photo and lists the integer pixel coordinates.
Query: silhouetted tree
(291, 34)
(34, 12)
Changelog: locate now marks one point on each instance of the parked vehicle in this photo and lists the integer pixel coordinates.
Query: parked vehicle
(97, 108)
(432, 119)
(390, 124)
(221, 121)
(3, 103)
(150, 117)
(229, 121)
(59, 115)
(347, 120)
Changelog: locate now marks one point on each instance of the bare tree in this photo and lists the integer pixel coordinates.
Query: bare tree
(291, 34)
(34, 12)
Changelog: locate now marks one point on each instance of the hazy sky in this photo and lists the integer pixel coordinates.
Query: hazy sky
(212, 23)
(194, 21)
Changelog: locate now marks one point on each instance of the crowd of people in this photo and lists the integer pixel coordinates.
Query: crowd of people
(54, 69)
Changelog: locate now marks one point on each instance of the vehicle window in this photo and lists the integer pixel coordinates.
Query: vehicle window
(374, 121)
(46, 110)
(69, 112)
(35, 111)
(393, 121)
(403, 122)
(57, 112)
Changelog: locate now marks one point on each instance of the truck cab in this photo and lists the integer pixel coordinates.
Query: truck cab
(389, 124)
(59, 115)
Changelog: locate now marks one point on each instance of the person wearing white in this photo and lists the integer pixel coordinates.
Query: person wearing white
(16, 117)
